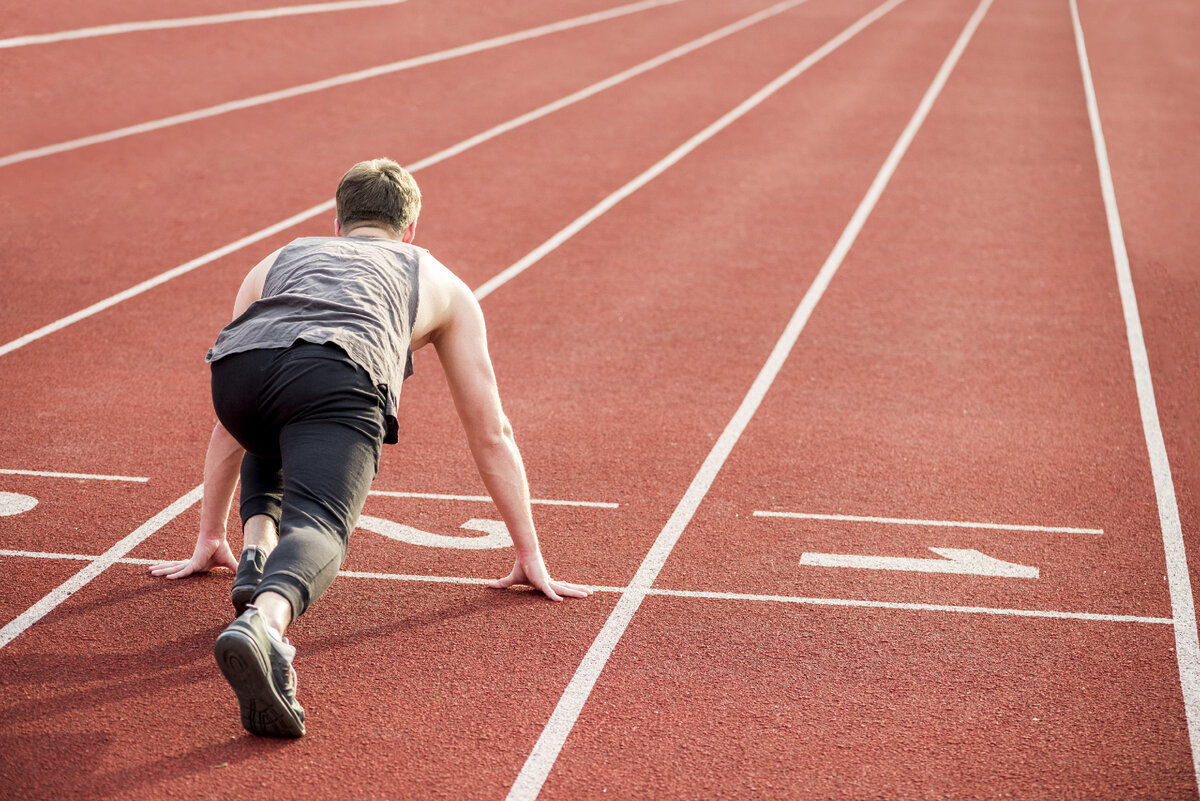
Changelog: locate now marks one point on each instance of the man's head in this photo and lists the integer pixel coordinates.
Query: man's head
(379, 193)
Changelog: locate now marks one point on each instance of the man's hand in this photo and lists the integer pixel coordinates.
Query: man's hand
(208, 554)
(531, 570)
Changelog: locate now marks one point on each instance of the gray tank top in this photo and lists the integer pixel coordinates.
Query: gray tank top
(359, 293)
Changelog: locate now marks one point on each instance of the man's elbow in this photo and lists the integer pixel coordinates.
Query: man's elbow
(497, 432)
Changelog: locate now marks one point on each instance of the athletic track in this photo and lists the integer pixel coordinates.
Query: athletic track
(855, 343)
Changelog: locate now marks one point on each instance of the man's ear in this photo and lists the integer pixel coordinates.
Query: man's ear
(337, 226)
(410, 233)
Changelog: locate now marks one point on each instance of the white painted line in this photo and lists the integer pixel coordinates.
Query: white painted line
(189, 22)
(982, 610)
(433, 496)
(88, 476)
(44, 555)
(330, 83)
(545, 752)
(454, 150)
(959, 561)
(902, 521)
(700, 594)
(403, 577)
(64, 591)
(1187, 643)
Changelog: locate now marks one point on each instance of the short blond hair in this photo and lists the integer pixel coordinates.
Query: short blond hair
(379, 192)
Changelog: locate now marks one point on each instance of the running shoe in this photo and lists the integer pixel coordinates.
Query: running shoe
(259, 669)
(249, 575)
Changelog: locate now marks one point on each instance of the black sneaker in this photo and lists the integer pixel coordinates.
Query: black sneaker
(259, 669)
(246, 580)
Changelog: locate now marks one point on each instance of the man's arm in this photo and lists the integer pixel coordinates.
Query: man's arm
(221, 465)
(461, 346)
(222, 462)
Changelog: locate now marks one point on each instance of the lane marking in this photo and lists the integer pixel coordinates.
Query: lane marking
(188, 22)
(64, 591)
(1187, 643)
(45, 555)
(545, 752)
(403, 577)
(902, 521)
(980, 610)
(89, 476)
(330, 83)
(488, 499)
(454, 150)
(14, 503)
(961, 561)
(699, 594)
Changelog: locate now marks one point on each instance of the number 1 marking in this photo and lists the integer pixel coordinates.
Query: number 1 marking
(956, 560)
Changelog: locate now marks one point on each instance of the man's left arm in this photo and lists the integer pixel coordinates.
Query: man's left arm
(221, 465)
(222, 462)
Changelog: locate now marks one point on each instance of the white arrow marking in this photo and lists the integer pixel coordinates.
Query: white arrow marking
(496, 531)
(957, 560)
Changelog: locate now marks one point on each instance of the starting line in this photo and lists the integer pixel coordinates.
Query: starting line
(700, 594)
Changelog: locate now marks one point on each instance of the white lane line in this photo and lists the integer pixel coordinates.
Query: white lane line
(981, 610)
(488, 499)
(64, 591)
(700, 594)
(903, 521)
(1187, 643)
(454, 150)
(89, 476)
(403, 577)
(545, 752)
(188, 22)
(330, 83)
(44, 555)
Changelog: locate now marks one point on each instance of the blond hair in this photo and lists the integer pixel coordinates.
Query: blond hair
(378, 192)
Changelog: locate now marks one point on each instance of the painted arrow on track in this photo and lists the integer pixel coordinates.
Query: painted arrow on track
(955, 560)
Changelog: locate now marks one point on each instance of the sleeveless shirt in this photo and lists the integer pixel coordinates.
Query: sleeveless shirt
(359, 293)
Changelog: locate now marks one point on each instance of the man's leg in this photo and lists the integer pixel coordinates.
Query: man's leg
(328, 469)
(261, 507)
(330, 426)
(260, 532)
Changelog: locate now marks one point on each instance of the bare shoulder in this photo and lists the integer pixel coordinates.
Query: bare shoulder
(252, 286)
(444, 297)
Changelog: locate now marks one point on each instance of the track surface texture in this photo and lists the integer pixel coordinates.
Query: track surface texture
(851, 346)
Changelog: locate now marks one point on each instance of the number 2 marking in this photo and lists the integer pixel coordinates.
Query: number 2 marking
(496, 534)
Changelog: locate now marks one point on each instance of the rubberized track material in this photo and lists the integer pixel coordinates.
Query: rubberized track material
(927, 551)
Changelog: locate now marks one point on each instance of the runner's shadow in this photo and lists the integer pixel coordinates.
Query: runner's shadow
(92, 679)
(75, 759)
(214, 759)
(492, 602)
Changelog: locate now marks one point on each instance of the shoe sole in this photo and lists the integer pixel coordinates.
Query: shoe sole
(241, 597)
(248, 671)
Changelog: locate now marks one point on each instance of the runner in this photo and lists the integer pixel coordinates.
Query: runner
(305, 382)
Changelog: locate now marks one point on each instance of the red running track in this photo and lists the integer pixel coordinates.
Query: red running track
(967, 363)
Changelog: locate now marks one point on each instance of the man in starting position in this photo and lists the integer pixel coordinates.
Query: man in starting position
(305, 381)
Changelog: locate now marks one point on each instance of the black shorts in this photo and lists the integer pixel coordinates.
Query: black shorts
(312, 424)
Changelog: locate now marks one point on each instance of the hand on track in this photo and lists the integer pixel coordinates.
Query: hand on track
(532, 571)
(208, 555)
